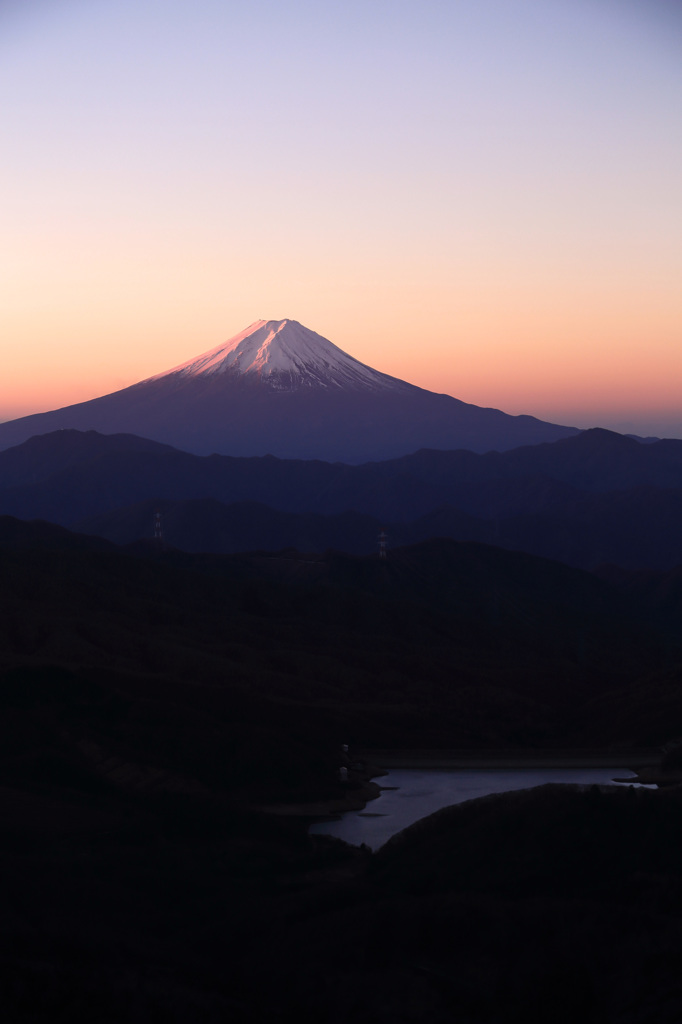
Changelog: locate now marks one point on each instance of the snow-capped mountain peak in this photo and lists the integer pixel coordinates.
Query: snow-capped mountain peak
(285, 355)
(279, 389)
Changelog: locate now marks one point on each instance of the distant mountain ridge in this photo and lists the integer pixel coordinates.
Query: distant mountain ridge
(279, 388)
(634, 529)
(595, 498)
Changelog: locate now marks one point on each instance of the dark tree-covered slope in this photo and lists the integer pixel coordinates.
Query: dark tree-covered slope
(154, 701)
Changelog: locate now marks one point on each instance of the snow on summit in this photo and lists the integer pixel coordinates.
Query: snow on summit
(279, 389)
(285, 355)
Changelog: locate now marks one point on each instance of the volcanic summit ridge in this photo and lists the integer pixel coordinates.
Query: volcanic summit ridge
(285, 355)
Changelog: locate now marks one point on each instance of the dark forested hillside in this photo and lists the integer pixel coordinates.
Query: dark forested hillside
(155, 703)
(459, 644)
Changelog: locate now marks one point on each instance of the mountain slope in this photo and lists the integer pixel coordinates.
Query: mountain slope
(278, 388)
(286, 356)
(547, 500)
(78, 474)
(632, 529)
(447, 644)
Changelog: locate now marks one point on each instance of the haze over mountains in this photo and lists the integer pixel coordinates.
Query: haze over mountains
(587, 500)
(279, 388)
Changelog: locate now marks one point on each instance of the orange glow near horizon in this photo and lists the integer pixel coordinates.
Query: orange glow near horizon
(488, 206)
(536, 368)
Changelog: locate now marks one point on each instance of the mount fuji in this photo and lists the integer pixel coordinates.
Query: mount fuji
(279, 388)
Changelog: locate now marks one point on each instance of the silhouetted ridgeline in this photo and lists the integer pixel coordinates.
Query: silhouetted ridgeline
(589, 500)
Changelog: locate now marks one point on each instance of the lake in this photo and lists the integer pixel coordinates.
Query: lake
(409, 794)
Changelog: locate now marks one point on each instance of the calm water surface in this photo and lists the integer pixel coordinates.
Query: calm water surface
(415, 793)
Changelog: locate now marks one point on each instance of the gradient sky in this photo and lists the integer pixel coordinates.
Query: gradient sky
(483, 197)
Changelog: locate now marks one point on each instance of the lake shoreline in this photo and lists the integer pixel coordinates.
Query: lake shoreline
(646, 765)
(481, 759)
(412, 794)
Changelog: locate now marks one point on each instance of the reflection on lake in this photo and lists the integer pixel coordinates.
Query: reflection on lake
(415, 793)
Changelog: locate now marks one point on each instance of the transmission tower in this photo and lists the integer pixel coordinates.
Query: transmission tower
(158, 529)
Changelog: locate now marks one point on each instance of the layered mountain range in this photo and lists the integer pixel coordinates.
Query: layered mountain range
(430, 466)
(279, 388)
(158, 704)
(587, 500)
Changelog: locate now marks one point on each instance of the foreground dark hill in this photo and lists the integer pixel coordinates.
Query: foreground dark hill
(278, 388)
(588, 500)
(548, 905)
(152, 702)
(444, 644)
